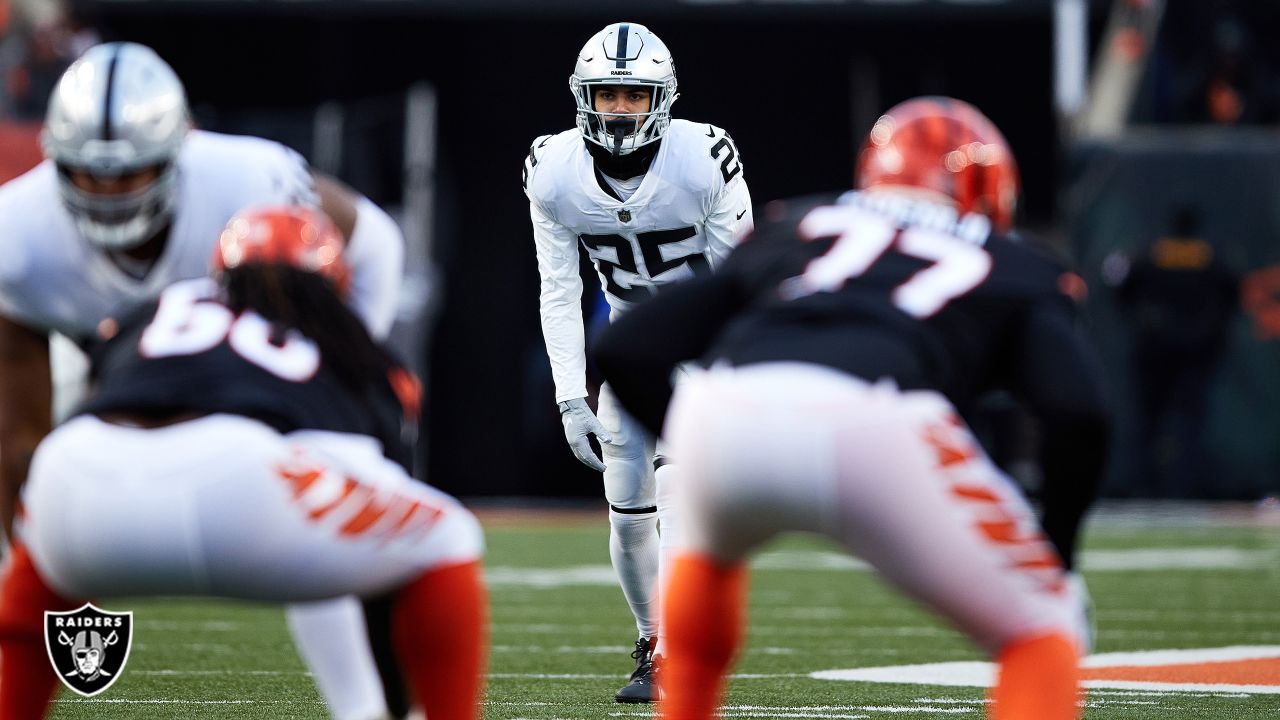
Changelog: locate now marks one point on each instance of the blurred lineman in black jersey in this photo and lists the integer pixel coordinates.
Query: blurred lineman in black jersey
(843, 341)
(273, 429)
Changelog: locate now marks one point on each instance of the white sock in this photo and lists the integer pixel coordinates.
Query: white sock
(666, 476)
(633, 548)
(331, 638)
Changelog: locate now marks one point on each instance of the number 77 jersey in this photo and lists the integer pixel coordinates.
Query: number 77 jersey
(888, 285)
(686, 213)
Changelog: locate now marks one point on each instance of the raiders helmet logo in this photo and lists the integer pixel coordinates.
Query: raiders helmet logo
(624, 215)
(88, 647)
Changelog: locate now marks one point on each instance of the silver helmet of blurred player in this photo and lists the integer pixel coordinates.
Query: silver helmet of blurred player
(624, 54)
(117, 111)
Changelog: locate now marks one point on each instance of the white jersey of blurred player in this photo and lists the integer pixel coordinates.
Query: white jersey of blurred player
(688, 211)
(55, 280)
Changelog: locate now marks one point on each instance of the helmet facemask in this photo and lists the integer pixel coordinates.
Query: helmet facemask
(623, 133)
(119, 221)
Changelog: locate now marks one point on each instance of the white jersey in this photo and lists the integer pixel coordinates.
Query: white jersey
(52, 279)
(685, 216)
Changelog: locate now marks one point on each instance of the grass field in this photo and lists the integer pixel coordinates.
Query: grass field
(1183, 578)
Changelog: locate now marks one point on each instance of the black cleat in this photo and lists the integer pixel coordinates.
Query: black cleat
(643, 686)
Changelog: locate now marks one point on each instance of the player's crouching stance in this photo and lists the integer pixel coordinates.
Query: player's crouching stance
(244, 441)
(130, 199)
(841, 339)
(653, 201)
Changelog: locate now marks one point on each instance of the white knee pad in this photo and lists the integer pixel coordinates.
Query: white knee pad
(628, 478)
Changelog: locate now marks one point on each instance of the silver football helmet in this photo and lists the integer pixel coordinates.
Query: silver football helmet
(117, 110)
(624, 54)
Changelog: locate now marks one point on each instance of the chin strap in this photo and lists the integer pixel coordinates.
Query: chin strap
(618, 129)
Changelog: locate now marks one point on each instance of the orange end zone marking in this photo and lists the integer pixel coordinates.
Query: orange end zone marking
(1234, 672)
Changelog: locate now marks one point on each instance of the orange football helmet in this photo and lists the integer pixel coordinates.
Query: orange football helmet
(301, 237)
(946, 146)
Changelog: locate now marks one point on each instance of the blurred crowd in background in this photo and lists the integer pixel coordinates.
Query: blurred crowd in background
(41, 38)
(1175, 224)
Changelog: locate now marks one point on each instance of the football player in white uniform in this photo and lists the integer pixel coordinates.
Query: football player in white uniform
(652, 201)
(128, 200)
(274, 430)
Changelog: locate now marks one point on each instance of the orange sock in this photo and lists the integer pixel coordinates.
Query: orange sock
(1039, 680)
(703, 610)
(27, 680)
(440, 630)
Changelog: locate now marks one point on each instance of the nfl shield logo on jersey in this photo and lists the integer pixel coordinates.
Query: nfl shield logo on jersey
(88, 647)
(624, 215)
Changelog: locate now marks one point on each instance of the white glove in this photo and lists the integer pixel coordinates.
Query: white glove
(579, 422)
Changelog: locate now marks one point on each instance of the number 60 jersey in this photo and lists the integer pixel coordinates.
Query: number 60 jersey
(688, 211)
(188, 353)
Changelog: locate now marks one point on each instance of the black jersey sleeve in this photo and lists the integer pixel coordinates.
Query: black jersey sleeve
(1059, 376)
(638, 353)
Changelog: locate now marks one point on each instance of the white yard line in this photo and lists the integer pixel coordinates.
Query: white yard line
(1129, 560)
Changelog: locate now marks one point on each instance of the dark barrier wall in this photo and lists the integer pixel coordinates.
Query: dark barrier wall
(1178, 233)
(796, 90)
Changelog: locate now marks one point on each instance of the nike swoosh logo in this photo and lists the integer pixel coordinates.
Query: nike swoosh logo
(711, 132)
(544, 142)
(593, 57)
(744, 212)
(656, 61)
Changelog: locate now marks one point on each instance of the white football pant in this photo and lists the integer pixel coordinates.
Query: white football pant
(639, 501)
(223, 505)
(893, 476)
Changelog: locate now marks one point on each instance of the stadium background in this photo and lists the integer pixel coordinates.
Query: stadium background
(428, 106)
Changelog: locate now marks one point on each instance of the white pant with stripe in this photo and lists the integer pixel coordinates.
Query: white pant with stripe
(224, 505)
(895, 477)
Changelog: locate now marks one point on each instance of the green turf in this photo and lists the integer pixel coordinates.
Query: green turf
(560, 651)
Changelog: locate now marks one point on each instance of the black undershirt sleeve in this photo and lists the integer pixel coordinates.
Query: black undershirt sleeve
(1060, 377)
(639, 352)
